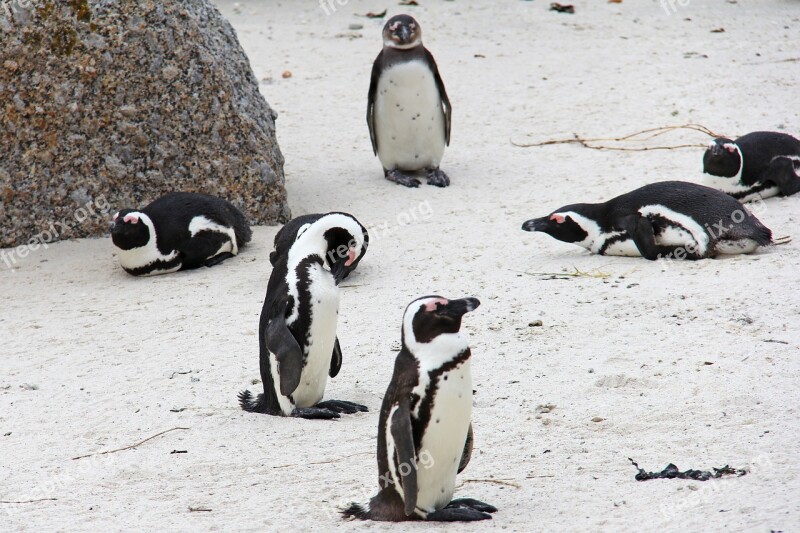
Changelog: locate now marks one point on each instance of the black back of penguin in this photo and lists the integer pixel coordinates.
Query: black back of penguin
(173, 213)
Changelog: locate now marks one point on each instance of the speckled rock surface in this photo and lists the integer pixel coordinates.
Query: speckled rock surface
(110, 104)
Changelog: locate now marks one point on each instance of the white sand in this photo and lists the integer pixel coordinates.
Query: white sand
(110, 353)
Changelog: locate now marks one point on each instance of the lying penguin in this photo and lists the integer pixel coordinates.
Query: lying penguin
(671, 219)
(178, 231)
(425, 428)
(298, 347)
(295, 227)
(757, 165)
(408, 111)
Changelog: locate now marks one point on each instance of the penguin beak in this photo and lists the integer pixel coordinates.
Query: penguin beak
(341, 267)
(404, 34)
(458, 308)
(115, 228)
(536, 224)
(716, 150)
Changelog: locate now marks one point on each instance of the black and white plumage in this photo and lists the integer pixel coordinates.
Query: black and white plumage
(288, 234)
(298, 346)
(425, 426)
(408, 111)
(754, 166)
(671, 219)
(178, 231)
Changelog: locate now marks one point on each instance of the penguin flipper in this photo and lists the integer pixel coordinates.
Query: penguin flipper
(282, 343)
(373, 88)
(202, 248)
(467, 455)
(781, 171)
(336, 359)
(641, 231)
(403, 437)
(448, 110)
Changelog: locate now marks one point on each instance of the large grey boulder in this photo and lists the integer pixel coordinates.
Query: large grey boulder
(111, 103)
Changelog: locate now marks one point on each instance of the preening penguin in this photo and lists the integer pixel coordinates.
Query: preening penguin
(178, 231)
(408, 112)
(425, 427)
(757, 165)
(295, 227)
(671, 219)
(298, 347)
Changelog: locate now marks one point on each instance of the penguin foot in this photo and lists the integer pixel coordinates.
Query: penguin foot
(314, 413)
(400, 178)
(342, 406)
(438, 178)
(457, 514)
(472, 504)
(217, 259)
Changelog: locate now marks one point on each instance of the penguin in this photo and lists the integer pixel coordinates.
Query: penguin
(670, 219)
(408, 111)
(298, 346)
(290, 231)
(179, 231)
(425, 429)
(757, 165)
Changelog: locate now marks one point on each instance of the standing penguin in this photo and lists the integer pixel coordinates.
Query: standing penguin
(425, 428)
(298, 347)
(757, 165)
(178, 231)
(408, 112)
(671, 219)
(295, 227)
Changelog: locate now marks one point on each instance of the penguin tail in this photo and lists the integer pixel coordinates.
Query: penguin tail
(241, 228)
(764, 235)
(242, 231)
(250, 404)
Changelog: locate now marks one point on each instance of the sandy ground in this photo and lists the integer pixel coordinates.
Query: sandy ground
(693, 363)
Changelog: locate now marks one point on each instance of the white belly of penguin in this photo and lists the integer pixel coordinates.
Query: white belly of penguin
(408, 118)
(144, 256)
(444, 439)
(324, 316)
(670, 236)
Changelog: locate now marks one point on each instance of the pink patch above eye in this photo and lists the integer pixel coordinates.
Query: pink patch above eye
(730, 147)
(133, 219)
(558, 219)
(431, 306)
(116, 216)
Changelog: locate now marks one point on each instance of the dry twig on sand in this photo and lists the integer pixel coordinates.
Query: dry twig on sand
(324, 462)
(30, 501)
(131, 446)
(643, 135)
(504, 482)
(595, 273)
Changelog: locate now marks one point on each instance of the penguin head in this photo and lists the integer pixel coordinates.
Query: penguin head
(338, 237)
(402, 32)
(722, 158)
(129, 229)
(435, 322)
(568, 224)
